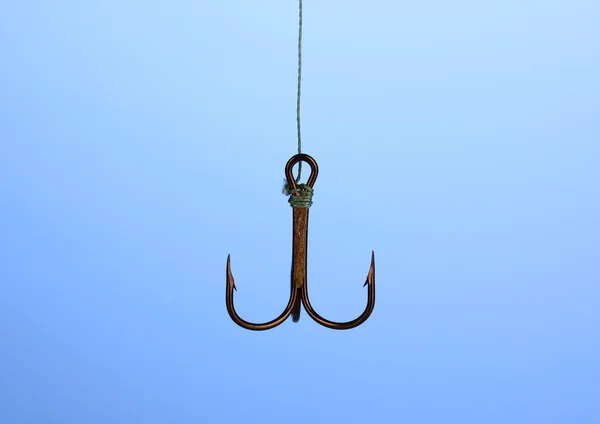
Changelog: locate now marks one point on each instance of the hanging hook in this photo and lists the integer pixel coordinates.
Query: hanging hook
(299, 287)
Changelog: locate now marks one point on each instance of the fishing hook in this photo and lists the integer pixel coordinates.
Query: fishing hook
(299, 286)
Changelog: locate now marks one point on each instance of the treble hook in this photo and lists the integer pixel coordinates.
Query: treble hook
(299, 286)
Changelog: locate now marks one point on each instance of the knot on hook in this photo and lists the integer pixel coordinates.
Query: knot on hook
(301, 197)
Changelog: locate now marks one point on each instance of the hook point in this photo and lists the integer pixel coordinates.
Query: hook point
(371, 275)
(230, 279)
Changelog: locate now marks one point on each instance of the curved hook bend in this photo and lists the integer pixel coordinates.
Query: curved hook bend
(355, 322)
(249, 325)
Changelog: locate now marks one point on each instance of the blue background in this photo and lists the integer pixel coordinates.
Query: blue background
(142, 142)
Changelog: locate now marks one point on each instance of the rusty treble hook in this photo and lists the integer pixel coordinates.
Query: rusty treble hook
(299, 287)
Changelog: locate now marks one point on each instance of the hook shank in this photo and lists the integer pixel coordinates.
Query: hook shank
(299, 256)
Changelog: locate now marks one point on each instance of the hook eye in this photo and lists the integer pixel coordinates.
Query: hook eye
(301, 157)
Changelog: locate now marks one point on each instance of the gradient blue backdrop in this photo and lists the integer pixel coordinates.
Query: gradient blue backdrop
(141, 142)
